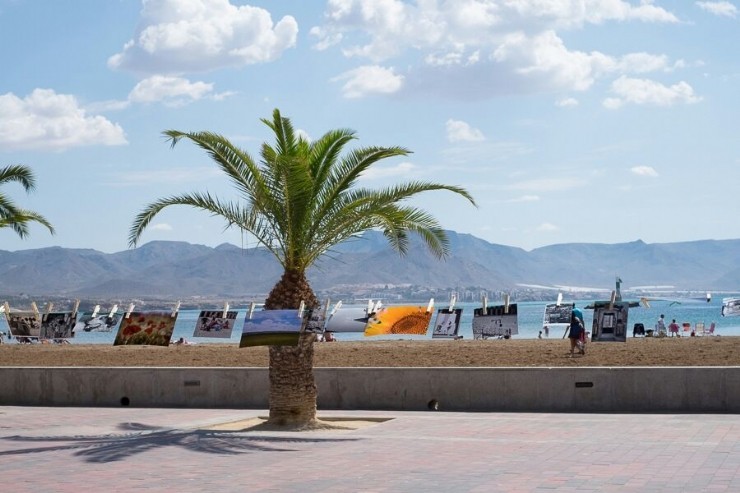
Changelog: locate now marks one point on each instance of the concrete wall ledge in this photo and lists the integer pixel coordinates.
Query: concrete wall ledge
(580, 389)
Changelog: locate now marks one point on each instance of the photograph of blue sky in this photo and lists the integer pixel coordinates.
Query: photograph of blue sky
(272, 321)
(557, 116)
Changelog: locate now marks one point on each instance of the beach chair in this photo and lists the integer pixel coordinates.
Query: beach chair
(711, 329)
(699, 329)
(638, 330)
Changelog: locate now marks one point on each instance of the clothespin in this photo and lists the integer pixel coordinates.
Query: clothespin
(251, 310)
(75, 308)
(484, 301)
(49, 306)
(336, 307)
(612, 300)
(176, 309)
(7, 310)
(115, 309)
(369, 309)
(376, 306)
(645, 302)
(95, 311)
(35, 310)
(226, 309)
(430, 305)
(453, 299)
(129, 310)
(506, 303)
(560, 299)
(326, 308)
(300, 309)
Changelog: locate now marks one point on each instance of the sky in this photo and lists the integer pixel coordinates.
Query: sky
(588, 121)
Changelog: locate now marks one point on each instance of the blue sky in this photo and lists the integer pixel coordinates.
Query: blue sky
(569, 121)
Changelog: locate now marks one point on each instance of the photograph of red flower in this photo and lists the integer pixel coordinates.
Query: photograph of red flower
(146, 328)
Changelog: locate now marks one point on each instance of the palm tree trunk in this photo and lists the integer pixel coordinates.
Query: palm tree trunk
(292, 385)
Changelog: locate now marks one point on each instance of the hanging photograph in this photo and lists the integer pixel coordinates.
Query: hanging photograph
(558, 314)
(24, 325)
(316, 321)
(495, 322)
(730, 307)
(101, 322)
(609, 324)
(447, 323)
(273, 328)
(146, 328)
(348, 319)
(212, 323)
(404, 319)
(57, 326)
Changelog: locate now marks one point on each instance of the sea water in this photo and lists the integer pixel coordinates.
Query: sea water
(529, 318)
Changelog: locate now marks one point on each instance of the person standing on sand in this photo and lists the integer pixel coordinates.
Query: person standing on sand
(576, 332)
(660, 326)
(673, 328)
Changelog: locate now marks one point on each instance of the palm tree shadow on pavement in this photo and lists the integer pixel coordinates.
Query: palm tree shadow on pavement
(141, 438)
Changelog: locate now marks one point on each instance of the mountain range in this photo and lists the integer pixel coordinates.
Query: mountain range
(167, 269)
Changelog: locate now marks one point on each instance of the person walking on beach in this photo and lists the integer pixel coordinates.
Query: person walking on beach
(576, 333)
(673, 328)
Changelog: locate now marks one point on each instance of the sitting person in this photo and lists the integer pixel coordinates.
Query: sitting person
(329, 337)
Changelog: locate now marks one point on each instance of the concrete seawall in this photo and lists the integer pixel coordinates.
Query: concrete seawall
(593, 389)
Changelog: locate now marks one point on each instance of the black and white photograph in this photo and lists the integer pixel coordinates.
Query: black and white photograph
(497, 321)
(610, 324)
(99, 322)
(24, 326)
(447, 323)
(57, 325)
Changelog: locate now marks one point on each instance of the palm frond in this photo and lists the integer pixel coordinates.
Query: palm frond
(18, 220)
(18, 173)
(302, 198)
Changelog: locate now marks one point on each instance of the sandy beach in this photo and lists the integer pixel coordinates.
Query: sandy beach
(685, 351)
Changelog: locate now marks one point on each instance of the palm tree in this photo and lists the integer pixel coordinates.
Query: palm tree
(299, 201)
(10, 215)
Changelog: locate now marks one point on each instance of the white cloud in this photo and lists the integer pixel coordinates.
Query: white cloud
(179, 36)
(474, 49)
(566, 102)
(459, 131)
(169, 175)
(369, 79)
(547, 228)
(644, 171)
(526, 198)
(302, 133)
(448, 25)
(576, 13)
(160, 227)
(382, 172)
(726, 9)
(546, 57)
(173, 91)
(649, 92)
(548, 184)
(50, 121)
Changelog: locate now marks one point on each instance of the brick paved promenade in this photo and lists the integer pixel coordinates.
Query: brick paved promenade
(126, 449)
